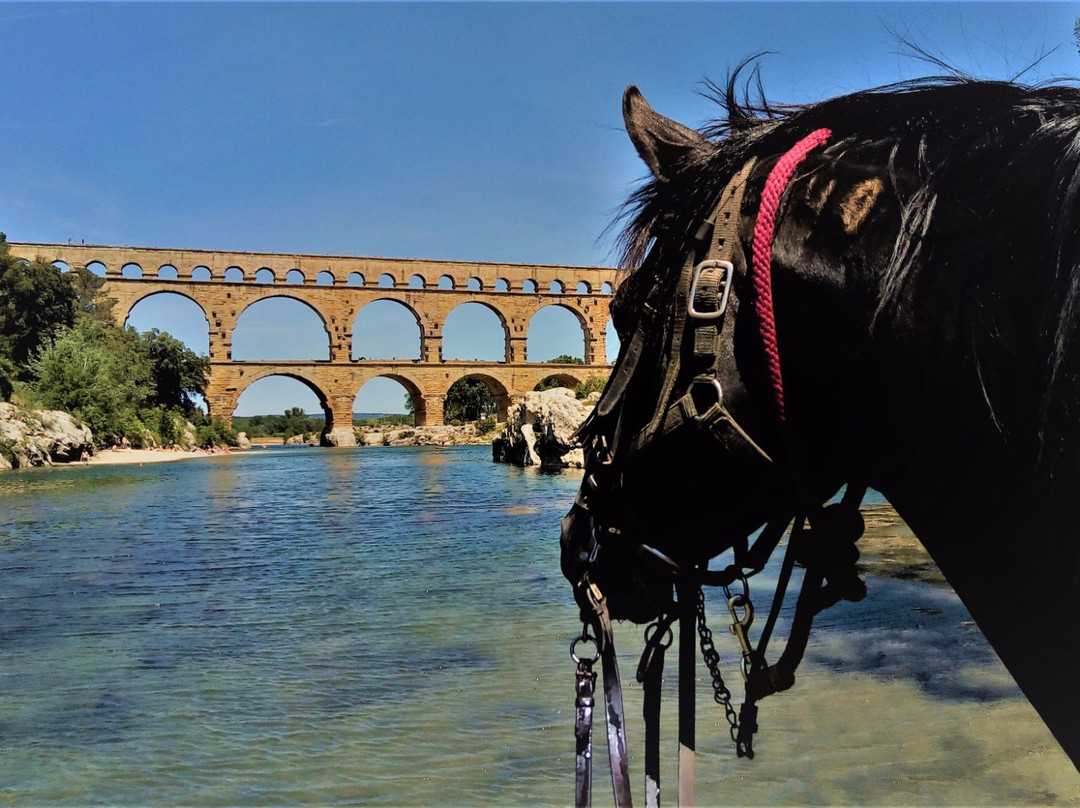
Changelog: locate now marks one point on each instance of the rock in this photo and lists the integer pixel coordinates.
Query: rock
(188, 440)
(464, 435)
(373, 438)
(242, 441)
(340, 436)
(40, 438)
(539, 430)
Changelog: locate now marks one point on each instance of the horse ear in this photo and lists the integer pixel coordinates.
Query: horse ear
(661, 142)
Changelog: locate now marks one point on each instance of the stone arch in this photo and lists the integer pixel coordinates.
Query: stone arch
(325, 278)
(417, 281)
(265, 275)
(446, 282)
(564, 378)
(183, 322)
(323, 398)
(459, 343)
(295, 277)
(122, 311)
(498, 390)
(283, 296)
(202, 273)
(549, 325)
(474, 284)
(605, 288)
(528, 285)
(502, 285)
(355, 279)
(97, 268)
(131, 270)
(62, 266)
(167, 272)
(556, 288)
(406, 385)
(387, 281)
(388, 328)
(234, 274)
(583, 288)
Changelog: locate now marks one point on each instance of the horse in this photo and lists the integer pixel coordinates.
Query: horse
(877, 290)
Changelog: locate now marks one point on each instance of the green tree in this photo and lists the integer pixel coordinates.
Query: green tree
(88, 299)
(37, 302)
(594, 384)
(297, 422)
(178, 373)
(99, 375)
(468, 400)
(566, 359)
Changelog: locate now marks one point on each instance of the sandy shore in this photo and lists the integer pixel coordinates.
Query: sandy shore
(125, 457)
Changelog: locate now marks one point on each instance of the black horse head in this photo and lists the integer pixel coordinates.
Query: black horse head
(926, 283)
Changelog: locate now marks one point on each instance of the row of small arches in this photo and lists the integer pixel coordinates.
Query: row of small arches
(265, 275)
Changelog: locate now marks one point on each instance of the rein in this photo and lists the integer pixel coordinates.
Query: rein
(703, 293)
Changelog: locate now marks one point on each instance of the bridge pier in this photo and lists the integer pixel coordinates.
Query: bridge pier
(431, 348)
(431, 411)
(595, 348)
(517, 349)
(340, 432)
(221, 401)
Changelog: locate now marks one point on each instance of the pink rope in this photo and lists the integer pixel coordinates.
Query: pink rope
(762, 253)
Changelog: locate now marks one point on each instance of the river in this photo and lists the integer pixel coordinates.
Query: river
(389, 626)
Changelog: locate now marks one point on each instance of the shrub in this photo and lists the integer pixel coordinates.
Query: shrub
(593, 384)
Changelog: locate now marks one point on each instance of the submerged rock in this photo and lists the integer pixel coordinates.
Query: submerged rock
(40, 437)
(540, 429)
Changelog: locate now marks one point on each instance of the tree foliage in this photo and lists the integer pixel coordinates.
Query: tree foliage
(37, 302)
(60, 349)
(178, 373)
(468, 400)
(100, 376)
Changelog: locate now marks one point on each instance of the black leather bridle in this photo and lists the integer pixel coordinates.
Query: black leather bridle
(699, 332)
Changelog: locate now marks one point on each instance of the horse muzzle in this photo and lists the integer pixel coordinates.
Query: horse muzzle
(594, 552)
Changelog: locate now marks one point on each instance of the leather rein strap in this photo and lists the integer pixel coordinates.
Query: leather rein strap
(703, 292)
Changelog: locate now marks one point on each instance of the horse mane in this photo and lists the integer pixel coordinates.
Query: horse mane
(919, 130)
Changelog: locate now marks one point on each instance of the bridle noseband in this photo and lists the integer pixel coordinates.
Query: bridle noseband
(703, 294)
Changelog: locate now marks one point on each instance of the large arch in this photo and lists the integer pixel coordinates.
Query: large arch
(564, 378)
(550, 333)
(495, 385)
(392, 325)
(320, 396)
(462, 339)
(267, 328)
(175, 313)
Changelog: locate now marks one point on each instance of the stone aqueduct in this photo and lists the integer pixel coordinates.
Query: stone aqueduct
(224, 284)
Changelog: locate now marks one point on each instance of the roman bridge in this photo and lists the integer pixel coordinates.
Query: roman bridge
(225, 284)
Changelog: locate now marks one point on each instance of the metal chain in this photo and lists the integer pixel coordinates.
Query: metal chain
(721, 694)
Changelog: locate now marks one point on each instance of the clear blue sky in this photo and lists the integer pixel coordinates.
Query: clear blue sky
(467, 131)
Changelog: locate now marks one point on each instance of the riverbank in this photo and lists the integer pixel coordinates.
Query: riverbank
(132, 457)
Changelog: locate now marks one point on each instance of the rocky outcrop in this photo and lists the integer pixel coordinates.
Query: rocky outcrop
(40, 437)
(539, 430)
(464, 435)
(340, 436)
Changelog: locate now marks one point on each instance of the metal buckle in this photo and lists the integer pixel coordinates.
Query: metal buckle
(695, 276)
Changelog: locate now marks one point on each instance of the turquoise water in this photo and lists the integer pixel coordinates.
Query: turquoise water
(389, 626)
